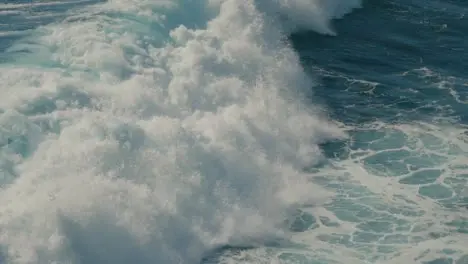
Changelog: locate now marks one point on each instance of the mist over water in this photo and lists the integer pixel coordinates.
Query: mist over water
(130, 137)
(193, 132)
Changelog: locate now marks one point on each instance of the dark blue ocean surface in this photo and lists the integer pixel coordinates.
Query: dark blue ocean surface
(158, 132)
(394, 66)
(407, 60)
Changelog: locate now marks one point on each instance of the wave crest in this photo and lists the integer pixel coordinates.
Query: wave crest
(149, 142)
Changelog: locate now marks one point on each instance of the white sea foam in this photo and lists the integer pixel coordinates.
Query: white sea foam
(399, 198)
(133, 134)
(13, 6)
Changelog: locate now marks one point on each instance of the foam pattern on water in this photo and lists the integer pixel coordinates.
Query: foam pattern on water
(401, 197)
(406, 184)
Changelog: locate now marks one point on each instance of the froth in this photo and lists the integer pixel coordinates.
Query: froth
(139, 149)
(309, 15)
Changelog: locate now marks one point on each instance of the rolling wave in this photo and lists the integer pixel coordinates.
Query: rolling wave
(157, 131)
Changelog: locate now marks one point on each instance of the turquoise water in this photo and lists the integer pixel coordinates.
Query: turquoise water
(231, 131)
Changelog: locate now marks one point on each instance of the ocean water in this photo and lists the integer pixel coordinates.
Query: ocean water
(234, 131)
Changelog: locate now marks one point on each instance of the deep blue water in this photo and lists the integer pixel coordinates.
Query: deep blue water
(387, 44)
(122, 142)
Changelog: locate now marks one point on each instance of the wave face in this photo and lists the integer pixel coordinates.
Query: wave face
(155, 131)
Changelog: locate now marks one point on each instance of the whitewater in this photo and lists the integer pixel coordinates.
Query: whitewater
(179, 131)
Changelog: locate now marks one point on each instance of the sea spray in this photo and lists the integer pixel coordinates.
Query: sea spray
(150, 150)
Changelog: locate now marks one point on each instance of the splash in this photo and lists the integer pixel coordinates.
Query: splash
(155, 131)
